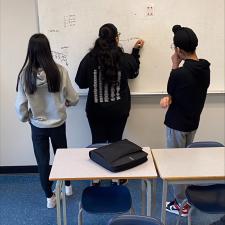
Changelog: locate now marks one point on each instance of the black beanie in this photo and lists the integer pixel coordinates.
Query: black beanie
(108, 31)
(184, 38)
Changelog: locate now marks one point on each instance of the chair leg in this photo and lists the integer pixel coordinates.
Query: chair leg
(80, 218)
(180, 211)
(132, 211)
(189, 215)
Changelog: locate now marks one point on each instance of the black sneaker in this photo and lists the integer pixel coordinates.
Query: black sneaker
(123, 181)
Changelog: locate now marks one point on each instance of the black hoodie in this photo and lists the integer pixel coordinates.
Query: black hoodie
(187, 86)
(104, 99)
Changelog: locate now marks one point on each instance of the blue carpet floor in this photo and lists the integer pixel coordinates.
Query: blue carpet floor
(22, 202)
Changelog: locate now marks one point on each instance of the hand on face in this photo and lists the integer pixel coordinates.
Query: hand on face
(176, 59)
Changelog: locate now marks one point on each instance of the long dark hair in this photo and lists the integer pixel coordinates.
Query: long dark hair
(107, 52)
(39, 56)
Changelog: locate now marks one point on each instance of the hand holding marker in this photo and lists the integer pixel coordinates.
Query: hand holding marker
(139, 43)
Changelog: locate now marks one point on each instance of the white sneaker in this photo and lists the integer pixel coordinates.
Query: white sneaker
(95, 182)
(51, 202)
(68, 190)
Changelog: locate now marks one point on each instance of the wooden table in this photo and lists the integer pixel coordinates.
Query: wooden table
(189, 166)
(75, 164)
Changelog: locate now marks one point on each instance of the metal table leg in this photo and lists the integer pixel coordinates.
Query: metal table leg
(153, 200)
(58, 202)
(64, 204)
(149, 197)
(143, 197)
(164, 197)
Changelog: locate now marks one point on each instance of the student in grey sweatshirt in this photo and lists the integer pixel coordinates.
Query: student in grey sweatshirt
(44, 90)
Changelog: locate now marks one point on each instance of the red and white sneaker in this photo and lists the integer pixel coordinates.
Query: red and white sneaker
(186, 209)
(174, 207)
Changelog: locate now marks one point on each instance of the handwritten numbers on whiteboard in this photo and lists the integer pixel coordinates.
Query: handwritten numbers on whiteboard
(60, 57)
(69, 20)
(150, 10)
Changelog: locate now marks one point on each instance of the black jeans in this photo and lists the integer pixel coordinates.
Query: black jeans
(40, 139)
(107, 128)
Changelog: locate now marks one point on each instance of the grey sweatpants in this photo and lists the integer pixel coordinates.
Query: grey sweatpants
(179, 139)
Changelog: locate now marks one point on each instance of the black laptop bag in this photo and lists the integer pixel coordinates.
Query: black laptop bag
(119, 156)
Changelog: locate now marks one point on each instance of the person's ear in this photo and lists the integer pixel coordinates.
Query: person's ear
(181, 53)
(177, 49)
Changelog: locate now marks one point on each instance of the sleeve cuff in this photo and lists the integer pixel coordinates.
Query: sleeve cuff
(135, 51)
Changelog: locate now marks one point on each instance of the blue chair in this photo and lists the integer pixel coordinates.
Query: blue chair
(134, 220)
(209, 199)
(205, 144)
(105, 199)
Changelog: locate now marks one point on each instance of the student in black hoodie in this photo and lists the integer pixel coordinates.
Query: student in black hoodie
(187, 88)
(105, 70)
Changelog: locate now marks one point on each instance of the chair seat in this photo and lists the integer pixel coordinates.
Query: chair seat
(209, 199)
(97, 199)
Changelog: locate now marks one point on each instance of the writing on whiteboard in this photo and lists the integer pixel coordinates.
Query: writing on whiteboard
(53, 30)
(60, 57)
(129, 39)
(69, 20)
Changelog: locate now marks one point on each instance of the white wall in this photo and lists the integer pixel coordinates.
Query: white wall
(145, 124)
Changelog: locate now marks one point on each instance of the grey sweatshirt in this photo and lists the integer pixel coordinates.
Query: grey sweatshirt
(45, 109)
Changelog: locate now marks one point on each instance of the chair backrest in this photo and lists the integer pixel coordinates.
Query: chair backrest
(134, 220)
(209, 199)
(106, 199)
(205, 144)
(206, 198)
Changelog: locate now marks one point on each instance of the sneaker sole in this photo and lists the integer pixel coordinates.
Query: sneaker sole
(69, 194)
(51, 207)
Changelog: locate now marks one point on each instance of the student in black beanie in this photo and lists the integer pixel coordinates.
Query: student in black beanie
(187, 89)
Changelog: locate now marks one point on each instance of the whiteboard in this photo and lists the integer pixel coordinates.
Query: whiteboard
(72, 28)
